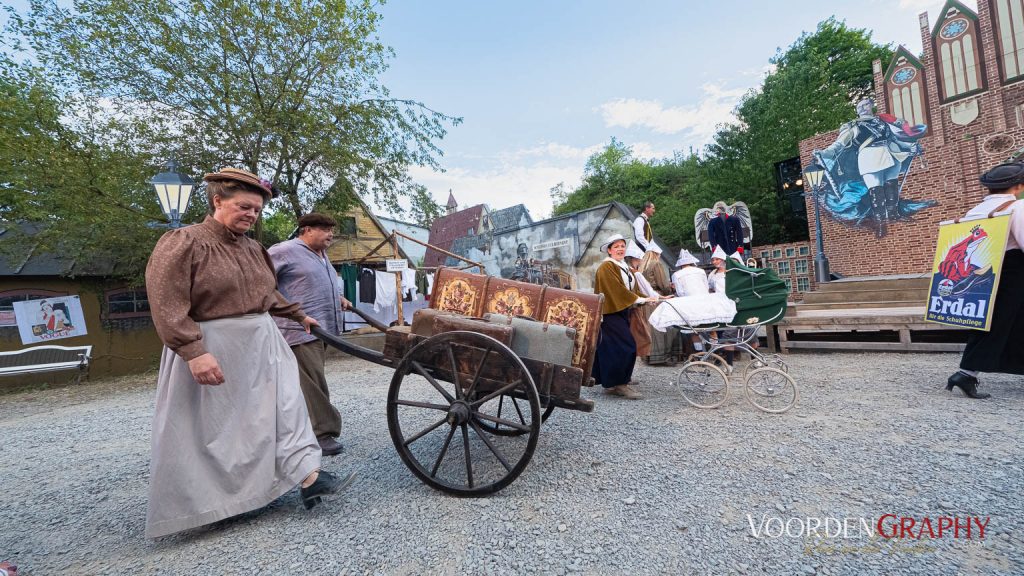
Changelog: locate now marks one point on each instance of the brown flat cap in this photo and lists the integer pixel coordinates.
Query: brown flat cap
(243, 177)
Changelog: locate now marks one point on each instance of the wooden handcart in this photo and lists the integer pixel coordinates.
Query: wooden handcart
(464, 411)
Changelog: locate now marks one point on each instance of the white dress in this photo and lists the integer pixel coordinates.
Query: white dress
(689, 281)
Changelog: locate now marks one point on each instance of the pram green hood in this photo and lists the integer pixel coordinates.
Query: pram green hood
(759, 294)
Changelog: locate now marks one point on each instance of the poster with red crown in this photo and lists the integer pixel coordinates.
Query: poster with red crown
(965, 273)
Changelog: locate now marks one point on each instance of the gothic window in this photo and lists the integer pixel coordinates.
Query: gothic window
(905, 88)
(1009, 21)
(957, 51)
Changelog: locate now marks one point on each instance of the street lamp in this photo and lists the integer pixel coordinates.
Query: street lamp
(812, 176)
(173, 191)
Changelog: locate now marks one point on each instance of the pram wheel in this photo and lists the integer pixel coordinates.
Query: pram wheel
(771, 390)
(712, 358)
(769, 361)
(703, 384)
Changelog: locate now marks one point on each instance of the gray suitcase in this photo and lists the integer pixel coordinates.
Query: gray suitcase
(538, 340)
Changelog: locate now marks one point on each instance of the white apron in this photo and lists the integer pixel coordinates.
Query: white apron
(219, 451)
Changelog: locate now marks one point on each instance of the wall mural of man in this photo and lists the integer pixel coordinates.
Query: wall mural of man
(866, 167)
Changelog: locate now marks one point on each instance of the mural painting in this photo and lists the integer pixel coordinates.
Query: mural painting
(866, 168)
(560, 252)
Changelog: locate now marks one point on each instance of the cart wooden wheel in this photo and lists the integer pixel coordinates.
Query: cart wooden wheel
(509, 408)
(703, 384)
(771, 390)
(441, 391)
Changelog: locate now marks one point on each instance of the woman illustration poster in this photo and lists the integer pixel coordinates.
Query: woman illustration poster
(55, 318)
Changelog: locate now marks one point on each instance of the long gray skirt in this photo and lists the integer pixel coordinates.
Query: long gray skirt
(219, 451)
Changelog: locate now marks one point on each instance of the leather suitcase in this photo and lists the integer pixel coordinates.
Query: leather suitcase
(538, 340)
(423, 320)
(503, 333)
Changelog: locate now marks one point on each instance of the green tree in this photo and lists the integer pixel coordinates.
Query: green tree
(73, 191)
(813, 88)
(289, 90)
(424, 209)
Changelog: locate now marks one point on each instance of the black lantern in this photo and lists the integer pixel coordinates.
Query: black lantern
(174, 191)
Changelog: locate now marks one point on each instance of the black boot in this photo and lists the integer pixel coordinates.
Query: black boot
(968, 385)
(877, 197)
(892, 200)
(326, 484)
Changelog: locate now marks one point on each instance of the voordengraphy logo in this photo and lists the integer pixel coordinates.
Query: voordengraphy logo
(887, 526)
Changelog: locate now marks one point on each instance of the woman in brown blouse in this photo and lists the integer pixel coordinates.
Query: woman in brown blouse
(615, 357)
(231, 432)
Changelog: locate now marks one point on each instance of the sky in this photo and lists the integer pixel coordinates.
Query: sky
(542, 85)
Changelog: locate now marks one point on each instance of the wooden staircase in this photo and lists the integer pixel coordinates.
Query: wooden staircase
(867, 313)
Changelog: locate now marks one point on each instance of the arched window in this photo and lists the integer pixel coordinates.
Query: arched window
(905, 88)
(958, 52)
(8, 298)
(1009, 24)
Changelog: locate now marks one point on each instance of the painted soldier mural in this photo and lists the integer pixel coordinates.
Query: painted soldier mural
(865, 169)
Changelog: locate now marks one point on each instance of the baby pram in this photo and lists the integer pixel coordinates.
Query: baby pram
(759, 297)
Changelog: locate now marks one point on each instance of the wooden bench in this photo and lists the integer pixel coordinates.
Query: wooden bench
(40, 359)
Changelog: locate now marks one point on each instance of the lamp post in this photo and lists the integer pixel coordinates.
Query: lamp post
(812, 177)
(173, 191)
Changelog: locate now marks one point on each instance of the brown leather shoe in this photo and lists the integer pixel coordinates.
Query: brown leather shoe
(624, 391)
(329, 446)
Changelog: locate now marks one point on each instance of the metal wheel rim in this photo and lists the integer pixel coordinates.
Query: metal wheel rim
(703, 394)
(782, 387)
(458, 434)
(772, 361)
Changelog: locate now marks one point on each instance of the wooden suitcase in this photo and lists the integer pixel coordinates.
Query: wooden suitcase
(538, 340)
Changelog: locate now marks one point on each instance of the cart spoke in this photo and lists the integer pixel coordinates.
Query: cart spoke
(455, 372)
(421, 405)
(479, 369)
(469, 461)
(496, 393)
(497, 453)
(496, 420)
(518, 411)
(444, 450)
(423, 372)
(425, 431)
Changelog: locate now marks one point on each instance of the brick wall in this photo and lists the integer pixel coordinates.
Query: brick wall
(955, 157)
(793, 262)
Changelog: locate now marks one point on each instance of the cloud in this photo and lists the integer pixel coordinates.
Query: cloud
(553, 150)
(699, 120)
(932, 5)
(522, 176)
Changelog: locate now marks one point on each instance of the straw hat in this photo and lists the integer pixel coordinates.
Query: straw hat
(611, 240)
(686, 258)
(266, 188)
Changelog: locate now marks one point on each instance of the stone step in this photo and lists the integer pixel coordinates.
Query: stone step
(890, 294)
(875, 284)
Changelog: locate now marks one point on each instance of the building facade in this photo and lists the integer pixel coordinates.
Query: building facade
(967, 89)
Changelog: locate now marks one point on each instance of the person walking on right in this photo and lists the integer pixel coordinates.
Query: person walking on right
(1001, 349)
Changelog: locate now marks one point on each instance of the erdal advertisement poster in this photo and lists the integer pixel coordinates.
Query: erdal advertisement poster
(49, 319)
(965, 273)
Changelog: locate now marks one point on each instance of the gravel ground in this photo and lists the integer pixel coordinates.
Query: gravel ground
(640, 487)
